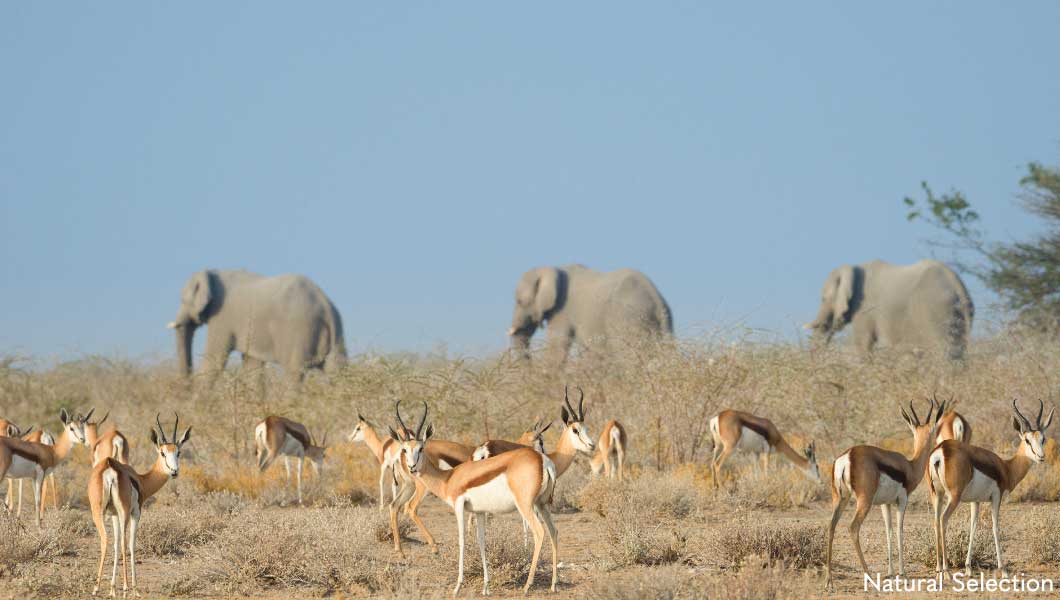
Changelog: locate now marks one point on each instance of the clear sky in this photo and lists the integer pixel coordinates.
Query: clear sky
(414, 159)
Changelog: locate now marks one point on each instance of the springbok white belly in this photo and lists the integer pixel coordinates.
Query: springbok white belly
(980, 489)
(751, 441)
(21, 468)
(291, 446)
(494, 497)
(888, 491)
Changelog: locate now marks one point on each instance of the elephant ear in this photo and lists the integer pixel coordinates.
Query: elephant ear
(197, 295)
(844, 292)
(547, 292)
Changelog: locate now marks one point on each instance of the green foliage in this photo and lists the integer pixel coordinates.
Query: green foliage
(1025, 274)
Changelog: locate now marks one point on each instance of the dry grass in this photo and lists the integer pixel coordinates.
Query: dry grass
(205, 522)
(922, 541)
(1044, 540)
(747, 541)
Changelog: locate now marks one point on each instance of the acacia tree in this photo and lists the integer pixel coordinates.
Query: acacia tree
(1024, 274)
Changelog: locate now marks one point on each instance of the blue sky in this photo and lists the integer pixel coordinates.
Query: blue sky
(414, 159)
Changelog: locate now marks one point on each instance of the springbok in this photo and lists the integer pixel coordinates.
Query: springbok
(966, 473)
(734, 430)
(21, 459)
(953, 426)
(406, 490)
(117, 490)
(277, 436)
(610, 450)
(37, 437)
(112, 444)
(531, 438)
(873, 476)
(522, 479)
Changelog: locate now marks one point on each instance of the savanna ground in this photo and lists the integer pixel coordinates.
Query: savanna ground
(223, 530)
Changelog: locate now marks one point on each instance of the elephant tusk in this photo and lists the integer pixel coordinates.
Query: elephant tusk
(172, 325)
(511, 331)
(807, 326)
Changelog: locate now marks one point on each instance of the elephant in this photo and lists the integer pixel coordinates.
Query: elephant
(923, 306)
(585, 306)
(286, 319)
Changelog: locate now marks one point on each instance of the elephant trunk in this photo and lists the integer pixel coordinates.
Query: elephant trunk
(521, 345)
(184, 334)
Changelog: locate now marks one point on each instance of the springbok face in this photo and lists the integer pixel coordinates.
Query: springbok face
(169, 450)
(1032, 437)
(315, 453)
(412, 441)
(357, 435)
(576, 431)
(74, 427)
(923, 432)
(535, 437)
(812, 470)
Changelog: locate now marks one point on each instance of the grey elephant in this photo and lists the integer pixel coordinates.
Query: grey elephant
(922, 306)
(286, 319)
(580, 305)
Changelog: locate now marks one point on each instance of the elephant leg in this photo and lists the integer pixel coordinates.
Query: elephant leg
(560, 341)
(254, 370)
(218, 347)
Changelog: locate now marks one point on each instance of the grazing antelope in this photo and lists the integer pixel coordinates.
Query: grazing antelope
(112, 444)
(734, 430)
(277, 436)
(531, 438)
(37, 437)
(21, 459)
(873, 476)
(953, 426)
(610, 450)
(117, 490)
(406, 490)
(966, 473)
(522, 479)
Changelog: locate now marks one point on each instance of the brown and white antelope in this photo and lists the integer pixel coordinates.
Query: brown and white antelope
(610, 450)
(20, 459)
(117, 490)
(965, 473)
(522, 480)
(112, 444)
(531, 438)
(877, 477)
(406, 490)
(733, 430)
(37, 437)
(953, 426)
(277, 436)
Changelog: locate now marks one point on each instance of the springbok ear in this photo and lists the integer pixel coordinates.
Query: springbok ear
(566, 416)
(393, 434)
(64, 416)
(1016, 424)
(1049, 421)
(185, 437)
(430, 431)
(154, 437)
(844, 292)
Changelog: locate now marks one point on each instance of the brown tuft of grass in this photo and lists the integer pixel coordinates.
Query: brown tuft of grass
(23, 541)
(747, 542)
(921, 543)
(509, 561)
(631, 540)
(175, 530)
(1044, 540)
(781, 487)
(657, 495)
(333, 549)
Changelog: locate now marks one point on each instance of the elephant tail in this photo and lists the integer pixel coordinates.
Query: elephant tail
(664, 316)
(337, 355)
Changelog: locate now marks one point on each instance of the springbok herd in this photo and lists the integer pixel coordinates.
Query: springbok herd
(501, 476)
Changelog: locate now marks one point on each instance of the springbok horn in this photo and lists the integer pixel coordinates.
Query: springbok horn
(1023, 419)
(566, 400)
(26, 432)
(89, 415)
(419, 428)
(581, 404)
(397, 411)
(1041, 410)
(546, 428)
(916, 417)
(161, 432)
(176, 420)
(103, 419)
